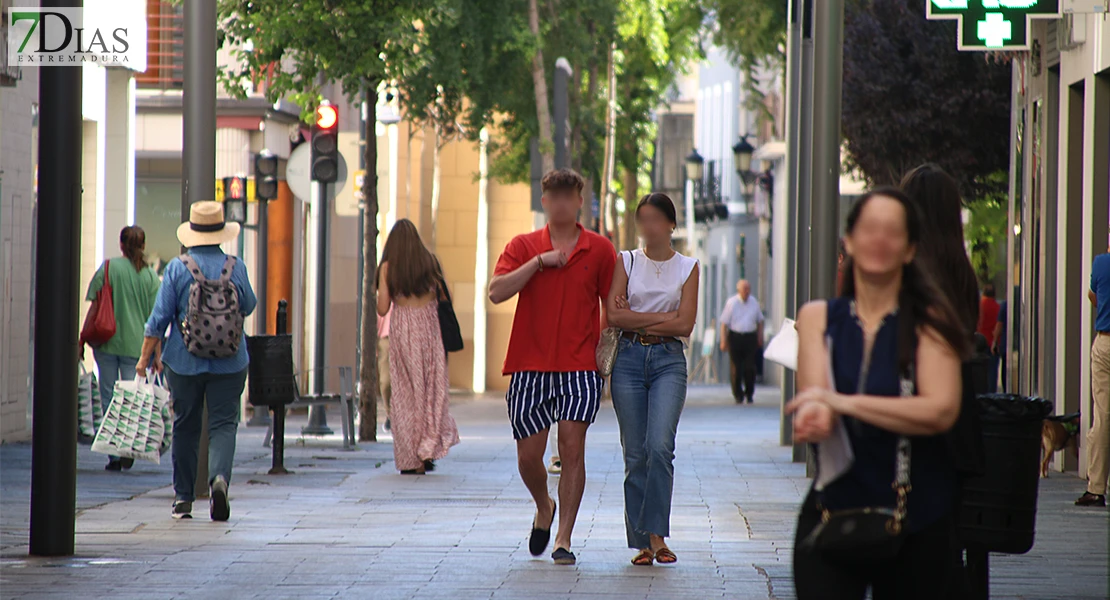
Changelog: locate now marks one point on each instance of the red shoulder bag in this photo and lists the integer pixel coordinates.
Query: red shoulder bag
(100, 322)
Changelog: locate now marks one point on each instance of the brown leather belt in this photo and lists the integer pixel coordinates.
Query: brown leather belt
(1102, 333)
(647, 340)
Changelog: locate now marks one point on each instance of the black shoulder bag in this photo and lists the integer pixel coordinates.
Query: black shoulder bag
(449, 329)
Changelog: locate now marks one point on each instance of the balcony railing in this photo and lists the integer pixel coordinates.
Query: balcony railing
(165, 47)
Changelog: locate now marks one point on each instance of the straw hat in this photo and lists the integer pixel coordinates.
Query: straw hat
(206, 226)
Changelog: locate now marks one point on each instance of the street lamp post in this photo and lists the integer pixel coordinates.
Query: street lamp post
(742, 159)
(695, 171)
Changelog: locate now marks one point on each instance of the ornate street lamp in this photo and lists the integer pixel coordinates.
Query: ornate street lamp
(695, 174)
(742, 159)
(695, 166)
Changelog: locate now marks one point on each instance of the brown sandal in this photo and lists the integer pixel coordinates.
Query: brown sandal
(644, 559)
(665, 557)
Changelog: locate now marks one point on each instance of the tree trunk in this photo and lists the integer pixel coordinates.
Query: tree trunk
(608, 215)
(631, 193)
(368, 338)
(539, 82)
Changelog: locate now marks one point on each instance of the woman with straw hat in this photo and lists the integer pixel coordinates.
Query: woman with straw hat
(193, 377)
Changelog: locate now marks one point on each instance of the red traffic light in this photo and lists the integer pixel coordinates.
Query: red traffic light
(326, 116)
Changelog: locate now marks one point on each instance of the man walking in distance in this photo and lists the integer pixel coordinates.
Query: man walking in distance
(1098, 438)
(562, 273)
(742, 337)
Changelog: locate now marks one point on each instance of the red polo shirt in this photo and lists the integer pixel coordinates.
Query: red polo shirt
(558, 313)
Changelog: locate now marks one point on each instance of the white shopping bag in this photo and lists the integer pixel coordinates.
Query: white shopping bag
(89, 413)
(136, 423)
(783, 348)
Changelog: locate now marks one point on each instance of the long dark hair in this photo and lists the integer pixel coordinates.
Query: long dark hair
(937, 198)
(413, 270)
(920, 301)
(132, 240)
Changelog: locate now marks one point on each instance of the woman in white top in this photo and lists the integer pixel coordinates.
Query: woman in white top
(654, 299)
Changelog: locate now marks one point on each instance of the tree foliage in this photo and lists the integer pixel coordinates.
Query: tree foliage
(910, 97)
(754, 34)
(986, 230)
(484, 48)
(294, 48)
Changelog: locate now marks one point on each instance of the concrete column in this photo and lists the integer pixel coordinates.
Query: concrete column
(119, 157)
(481, 267)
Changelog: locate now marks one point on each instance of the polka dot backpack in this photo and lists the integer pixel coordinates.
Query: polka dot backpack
(213, 325)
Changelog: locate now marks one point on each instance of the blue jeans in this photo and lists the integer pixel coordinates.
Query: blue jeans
(649, 391)
(111, 368)
(190, 392)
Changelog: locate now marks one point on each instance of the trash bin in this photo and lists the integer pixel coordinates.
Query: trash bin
(271, 381)
(998, 512)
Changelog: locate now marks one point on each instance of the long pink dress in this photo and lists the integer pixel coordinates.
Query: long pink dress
(423, 429)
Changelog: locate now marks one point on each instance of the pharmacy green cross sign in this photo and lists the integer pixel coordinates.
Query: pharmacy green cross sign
(993, 24)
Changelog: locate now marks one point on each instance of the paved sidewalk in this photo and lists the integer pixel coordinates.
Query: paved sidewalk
(345, 525)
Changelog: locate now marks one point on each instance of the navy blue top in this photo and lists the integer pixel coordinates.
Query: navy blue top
(868, 481)
(1100, 285)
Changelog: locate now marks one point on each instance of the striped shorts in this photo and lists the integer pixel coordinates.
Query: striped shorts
(537, 400)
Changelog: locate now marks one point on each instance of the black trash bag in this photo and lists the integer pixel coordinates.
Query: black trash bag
(1012, 407)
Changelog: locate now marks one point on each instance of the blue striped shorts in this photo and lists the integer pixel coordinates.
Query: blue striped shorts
(537, 400)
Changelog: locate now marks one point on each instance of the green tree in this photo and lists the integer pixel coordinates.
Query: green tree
(911, 97)
(358, 43)
(484, 61)
(754, 34)
(986, 230)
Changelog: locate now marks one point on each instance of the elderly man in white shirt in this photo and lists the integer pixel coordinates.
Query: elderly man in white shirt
(742, 337)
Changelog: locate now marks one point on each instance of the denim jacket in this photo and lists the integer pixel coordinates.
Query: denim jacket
(173, 303)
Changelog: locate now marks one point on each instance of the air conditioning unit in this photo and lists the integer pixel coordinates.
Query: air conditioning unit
(1084, 6)
(1071, 31)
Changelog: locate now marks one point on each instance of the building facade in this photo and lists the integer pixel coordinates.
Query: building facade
(1059, 210)
(19, 104)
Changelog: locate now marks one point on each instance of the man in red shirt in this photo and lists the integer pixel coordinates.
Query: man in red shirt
(988, 317)
(562, 274)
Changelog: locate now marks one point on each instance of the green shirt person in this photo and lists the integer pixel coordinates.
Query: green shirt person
(134, 288)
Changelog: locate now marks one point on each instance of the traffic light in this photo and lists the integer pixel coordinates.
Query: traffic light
(265, 176)
(325, 143)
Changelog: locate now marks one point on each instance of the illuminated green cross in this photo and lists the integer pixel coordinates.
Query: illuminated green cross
(995, 30)
(993, 24)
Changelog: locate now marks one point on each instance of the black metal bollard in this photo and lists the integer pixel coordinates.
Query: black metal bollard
(278, 465)
(272, 383)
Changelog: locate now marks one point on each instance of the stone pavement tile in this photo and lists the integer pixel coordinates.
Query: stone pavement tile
(345, 526)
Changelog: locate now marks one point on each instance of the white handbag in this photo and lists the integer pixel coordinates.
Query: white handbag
(783, 348)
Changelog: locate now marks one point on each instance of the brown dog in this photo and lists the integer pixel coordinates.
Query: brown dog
(1058, 433)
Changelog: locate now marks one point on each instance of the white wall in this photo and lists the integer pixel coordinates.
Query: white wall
(16, 217)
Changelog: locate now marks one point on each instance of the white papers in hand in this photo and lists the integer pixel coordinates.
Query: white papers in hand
(834, 456)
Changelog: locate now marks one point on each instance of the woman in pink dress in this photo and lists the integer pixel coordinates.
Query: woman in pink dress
(409, 278)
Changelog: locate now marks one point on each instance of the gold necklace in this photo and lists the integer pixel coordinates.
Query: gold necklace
(657, 265)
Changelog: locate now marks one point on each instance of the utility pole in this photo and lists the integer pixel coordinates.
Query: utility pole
(827, 81)
(54, 420)
(804, 199)
(198, 101)
(793, 121)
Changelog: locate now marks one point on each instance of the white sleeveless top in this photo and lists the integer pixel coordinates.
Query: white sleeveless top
(656, 286)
